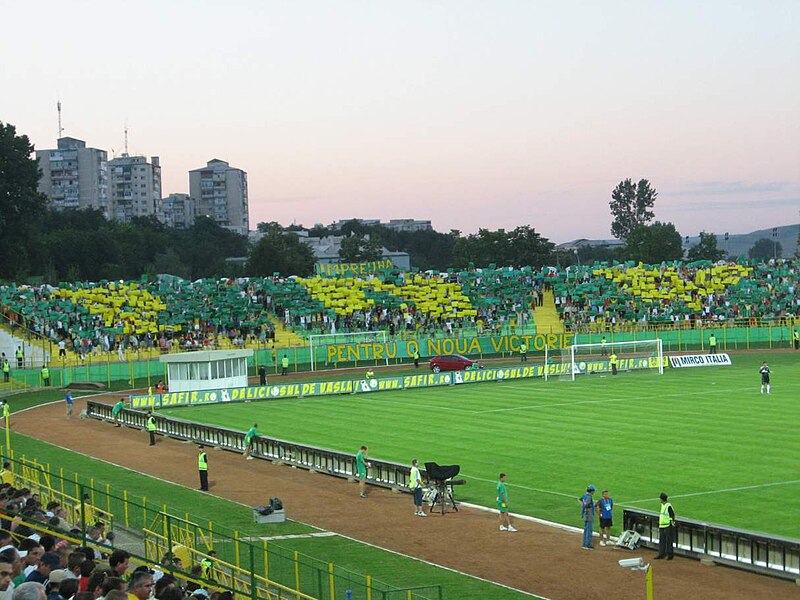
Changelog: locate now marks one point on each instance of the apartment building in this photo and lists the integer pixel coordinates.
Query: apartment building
(221, 193)
(134, 187)
(74, 176)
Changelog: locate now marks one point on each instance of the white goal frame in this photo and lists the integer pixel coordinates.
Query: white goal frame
(606, 348)
(318, 340)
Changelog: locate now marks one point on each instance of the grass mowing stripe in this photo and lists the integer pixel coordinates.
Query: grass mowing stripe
(722, 491)
(686, 431)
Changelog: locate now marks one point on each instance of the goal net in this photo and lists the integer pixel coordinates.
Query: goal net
(585, 359)
(354, 352)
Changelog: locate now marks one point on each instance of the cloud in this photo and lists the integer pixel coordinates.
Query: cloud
(732, 203)
(720, 188)
(286, 199)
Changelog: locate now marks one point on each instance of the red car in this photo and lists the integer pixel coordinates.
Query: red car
(451, 362)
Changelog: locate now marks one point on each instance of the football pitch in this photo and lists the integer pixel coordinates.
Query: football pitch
(723, 452)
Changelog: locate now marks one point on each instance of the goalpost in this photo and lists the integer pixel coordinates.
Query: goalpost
(583, 359)
(322, 341)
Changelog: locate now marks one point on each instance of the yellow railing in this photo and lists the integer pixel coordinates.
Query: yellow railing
(244, 565)
(226, 574)
(606, 325)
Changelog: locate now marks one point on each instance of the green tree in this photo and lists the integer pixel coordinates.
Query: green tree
(589, 254)
(204, 248)
(706, 248)
(519, 247)
(528, 247)
(764, 249)
(654, 243)
(354, 226)
(21, 204)
(360, 248)
(266, 227)
(280, 252)
(631, 205)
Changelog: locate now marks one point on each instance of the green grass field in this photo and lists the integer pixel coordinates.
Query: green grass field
(724, 452)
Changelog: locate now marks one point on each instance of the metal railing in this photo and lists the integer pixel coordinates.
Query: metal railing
(323, 460)
(748, 550)
(253, 568)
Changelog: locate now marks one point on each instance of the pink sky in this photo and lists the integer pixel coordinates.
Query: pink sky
(470, 114)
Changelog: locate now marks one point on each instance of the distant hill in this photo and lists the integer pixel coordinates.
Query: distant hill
(737, 244)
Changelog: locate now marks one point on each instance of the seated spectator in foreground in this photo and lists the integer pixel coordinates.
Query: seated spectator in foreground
(50, 561)
(85, 571)
(140, 586)
(118, 561)
(53, 587)
(6, 574)
(30, 590)
(110, 584)
(68, 588)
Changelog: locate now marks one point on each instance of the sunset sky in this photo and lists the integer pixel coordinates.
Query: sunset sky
(471, 114)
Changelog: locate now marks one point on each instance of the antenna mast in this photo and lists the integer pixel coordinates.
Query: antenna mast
(126, 139)
(60, 129)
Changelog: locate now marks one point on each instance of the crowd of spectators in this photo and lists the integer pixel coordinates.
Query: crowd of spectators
(603, 297)
(173, 314)
(49, 566)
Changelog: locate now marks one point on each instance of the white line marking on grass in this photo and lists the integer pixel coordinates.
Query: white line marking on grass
(288, 536)
(722, 491)
(561, 526)
(524, 487)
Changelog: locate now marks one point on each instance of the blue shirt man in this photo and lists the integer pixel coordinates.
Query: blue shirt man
(606, 507)
(587, 513)
(68, 399)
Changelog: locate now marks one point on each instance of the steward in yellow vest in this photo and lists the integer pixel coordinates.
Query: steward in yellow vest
(666, 529)
(202, 468)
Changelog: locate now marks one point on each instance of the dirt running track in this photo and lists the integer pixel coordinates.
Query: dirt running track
(538, 559)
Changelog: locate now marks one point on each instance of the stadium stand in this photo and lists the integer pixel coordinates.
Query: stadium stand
(170, 314)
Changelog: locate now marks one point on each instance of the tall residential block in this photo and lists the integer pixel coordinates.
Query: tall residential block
(74, 176)
(178, 211)
(221, 193)
(134, 187)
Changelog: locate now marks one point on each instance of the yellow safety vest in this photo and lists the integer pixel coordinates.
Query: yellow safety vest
(664, 519)
(415, 478)
(45, 373)
(206, 565)
(202, 462)
(151, 424)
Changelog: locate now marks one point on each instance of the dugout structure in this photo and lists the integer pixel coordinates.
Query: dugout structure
(320, 344)
(584, 359)
(207, 370)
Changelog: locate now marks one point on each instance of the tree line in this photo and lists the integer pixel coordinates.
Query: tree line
(39, 243)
